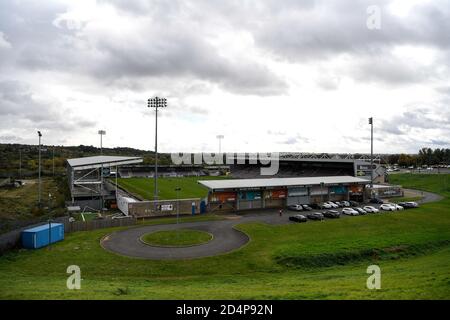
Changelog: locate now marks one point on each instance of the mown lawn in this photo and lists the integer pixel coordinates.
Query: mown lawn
(176, 238)
(144, 187)
(316, 260)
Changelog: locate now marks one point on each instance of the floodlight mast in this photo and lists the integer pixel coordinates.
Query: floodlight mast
(101, 133)
(220, 137)
(39, 171)
(371, 153)
(156, 103)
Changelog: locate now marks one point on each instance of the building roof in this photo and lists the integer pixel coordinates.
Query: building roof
(99, 161)
(278, 182)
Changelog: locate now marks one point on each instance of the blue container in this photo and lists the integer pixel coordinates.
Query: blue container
(39, 237)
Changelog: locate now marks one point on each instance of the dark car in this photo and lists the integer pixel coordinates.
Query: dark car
(316, 206)
(306, 207)
(361, 211)
(295, 207)
(333, 214)
(298, 218)
(376, 200)
(408, 205)
(315, 216)
(354, 203)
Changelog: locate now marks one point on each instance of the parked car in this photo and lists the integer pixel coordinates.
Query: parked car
(316, 206)
(353, 203)
(295, 207)
(360, 210)
(409, 204)
(325, 206)
(346, 203)
(350, 212)
(315, 216)
(398, 207)
(332, 204)
(388, 207)
(306, 207)
(298, 218)
(371, 209)
(376, 201)
(332, 214)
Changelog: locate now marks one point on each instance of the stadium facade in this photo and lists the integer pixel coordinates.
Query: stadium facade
(245, 194)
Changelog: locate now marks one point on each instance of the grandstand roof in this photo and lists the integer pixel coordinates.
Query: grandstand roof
(279, 182)
(99, 161)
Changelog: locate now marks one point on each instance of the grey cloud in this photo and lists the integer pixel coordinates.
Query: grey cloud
(441, 143)
(20, 109)
(164, 44)
(418, 118)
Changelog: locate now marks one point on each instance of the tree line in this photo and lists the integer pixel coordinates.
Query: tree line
(425, 156)
(22, 161)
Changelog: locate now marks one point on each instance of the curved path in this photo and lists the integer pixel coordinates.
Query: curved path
(226, 237)
(128, 243)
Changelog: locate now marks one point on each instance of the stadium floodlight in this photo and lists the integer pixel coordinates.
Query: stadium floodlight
(101, 133)
(220, 137)
(371, 152)
(156, 103)
(39, 170)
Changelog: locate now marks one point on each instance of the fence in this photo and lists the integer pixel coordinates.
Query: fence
(98, 224)
(12, 239)
(163, 208)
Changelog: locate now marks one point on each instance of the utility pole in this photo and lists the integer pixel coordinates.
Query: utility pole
(20, 163)
(156, 103)
(39, 170)
(53, 160)
(371, 153)
(178, 189)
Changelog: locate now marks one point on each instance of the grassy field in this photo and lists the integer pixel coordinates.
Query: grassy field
(296, 261)
(144, 187)
(176, 238)
(20, 204)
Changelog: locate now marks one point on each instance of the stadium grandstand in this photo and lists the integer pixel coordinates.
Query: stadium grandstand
(311, 165)
(165, 171)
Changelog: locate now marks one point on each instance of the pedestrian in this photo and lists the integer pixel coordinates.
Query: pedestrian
(281, 212)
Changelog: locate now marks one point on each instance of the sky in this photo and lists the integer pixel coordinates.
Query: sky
(286, 76)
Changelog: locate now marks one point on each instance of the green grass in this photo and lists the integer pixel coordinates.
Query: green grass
(404, 199)
(176, 238)
(144, 187)
(295, 261)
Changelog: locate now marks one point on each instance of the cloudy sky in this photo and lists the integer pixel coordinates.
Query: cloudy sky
(299, 76)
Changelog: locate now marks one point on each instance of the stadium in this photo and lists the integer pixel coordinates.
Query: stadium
(300, 179)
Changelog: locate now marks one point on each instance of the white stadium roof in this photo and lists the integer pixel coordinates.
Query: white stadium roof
(99, 161)
(278, 182)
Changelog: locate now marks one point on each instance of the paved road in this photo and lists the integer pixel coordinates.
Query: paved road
(427, 196)
(226, 237)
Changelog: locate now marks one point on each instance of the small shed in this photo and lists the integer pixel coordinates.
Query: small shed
(43, 235)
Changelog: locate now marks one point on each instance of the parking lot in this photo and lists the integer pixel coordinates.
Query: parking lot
(347, 211)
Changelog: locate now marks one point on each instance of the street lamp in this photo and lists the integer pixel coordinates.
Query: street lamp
(39, 170)
(178, 189)
(371, 152)
(101, 133)
(156, 103)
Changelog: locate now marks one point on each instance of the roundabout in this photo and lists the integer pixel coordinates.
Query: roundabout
(159, 242)
(176, 238)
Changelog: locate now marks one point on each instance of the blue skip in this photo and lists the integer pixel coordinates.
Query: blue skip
(42, 236)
